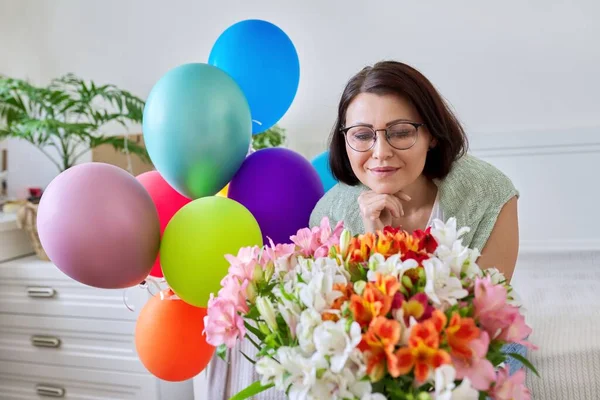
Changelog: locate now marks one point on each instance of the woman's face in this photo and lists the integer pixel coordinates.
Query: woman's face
(383, 168)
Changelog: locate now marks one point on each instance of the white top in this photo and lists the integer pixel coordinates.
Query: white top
(436, 211)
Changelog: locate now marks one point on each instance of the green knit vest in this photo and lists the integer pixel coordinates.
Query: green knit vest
(474, 192)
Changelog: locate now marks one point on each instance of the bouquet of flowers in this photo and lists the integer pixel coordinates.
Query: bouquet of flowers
(389, 315)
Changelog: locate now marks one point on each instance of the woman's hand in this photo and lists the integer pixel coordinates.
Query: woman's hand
(377, 210)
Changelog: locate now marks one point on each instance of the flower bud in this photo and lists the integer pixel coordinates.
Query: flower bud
(267, 312)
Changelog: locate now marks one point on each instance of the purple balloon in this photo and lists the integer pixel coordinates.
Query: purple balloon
(280, 188)
(99, 226)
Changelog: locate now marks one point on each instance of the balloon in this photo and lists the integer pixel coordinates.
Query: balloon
(99, 226)
(169, 340)
(223, 192)
(167, 201)
(197, 128)
(263, 61)
(280, 188)
(321, 164)
(194, 245)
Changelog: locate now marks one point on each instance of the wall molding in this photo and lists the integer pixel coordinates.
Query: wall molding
(556, 246)
(537, 142)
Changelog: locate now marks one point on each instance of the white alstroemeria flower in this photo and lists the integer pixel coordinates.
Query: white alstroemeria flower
(496, 276)
(332, 340)
(440, 287)
(465, 391)
(290, 311)
(309, 320)
(445, 233)
(267, 312)
(398, 315)
(444, 382)
(318, 293)
(270, 371)
(392, 266)
(446, 389)
(301, 372)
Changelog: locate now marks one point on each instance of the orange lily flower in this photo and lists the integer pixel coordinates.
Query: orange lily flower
(371, 304)
(387, 284)
(423, 352)
(378, 344)
(460, 333)
(347, 292)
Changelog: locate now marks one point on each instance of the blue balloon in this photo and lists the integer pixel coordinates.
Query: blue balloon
(321, 164)
(197, 128)
(262, 59)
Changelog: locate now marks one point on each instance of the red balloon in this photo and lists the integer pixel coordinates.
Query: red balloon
(169, 339)
(167, 201)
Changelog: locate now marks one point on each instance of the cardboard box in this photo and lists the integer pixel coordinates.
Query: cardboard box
(107, 154)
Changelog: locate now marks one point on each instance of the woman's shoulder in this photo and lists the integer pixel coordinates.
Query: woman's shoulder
(471, 176)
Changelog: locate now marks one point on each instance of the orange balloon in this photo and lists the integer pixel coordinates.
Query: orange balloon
(224, 191)
(169, 339)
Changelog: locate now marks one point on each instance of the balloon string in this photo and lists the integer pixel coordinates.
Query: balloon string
(258, 122)
(145, 286)
(132, 309)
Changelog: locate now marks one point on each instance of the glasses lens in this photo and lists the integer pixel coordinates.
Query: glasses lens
(360, 138)
(402, 136)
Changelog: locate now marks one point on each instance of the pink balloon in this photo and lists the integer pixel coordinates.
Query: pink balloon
(167, 201)
(99, 226)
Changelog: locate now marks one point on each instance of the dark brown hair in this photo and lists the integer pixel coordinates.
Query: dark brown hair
(392, 77)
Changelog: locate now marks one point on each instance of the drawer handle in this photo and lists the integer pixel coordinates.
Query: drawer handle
(45, 341)
(44, 292)
(50, 391)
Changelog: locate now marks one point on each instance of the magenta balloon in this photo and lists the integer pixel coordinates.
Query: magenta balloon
(99, 226)
(280, 188)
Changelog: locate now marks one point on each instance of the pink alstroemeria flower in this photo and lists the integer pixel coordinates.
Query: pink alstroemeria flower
(317, 241)
(501, 320)
(510, 387)
(242, 266)
(235, 292)
(478, 369)
(222, 324)
(275, 252)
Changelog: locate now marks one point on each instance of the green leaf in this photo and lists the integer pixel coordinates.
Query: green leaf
(255, 331)
(525, 362)
(222, 352)
(251, 390)
(248, 358)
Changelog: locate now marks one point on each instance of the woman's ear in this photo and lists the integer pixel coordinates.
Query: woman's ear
(432, 143)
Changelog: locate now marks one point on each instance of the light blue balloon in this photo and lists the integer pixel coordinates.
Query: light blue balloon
(321, 164)
(262, 59)
(197, 128)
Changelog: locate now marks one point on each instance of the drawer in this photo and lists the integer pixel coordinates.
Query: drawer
(61, 341)
(24, 381)
(37, 287)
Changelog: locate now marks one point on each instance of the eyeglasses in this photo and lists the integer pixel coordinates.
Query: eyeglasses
(401, 136)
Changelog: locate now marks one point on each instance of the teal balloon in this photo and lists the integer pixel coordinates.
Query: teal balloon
(321, 164)
(197, 128)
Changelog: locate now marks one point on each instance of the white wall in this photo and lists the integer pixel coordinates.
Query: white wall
(522, 77)
(505, 66)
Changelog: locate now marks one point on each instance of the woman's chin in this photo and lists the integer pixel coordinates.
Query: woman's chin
(380, 187)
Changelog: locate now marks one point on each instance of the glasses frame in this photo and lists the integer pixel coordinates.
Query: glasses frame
(417, 125)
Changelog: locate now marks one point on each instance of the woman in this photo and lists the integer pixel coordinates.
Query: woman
(399, 154)
(400, 157)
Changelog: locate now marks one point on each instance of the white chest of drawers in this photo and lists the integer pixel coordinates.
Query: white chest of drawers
(62, 339)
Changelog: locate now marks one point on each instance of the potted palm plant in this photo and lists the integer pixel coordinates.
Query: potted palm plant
(69, 115)
(64, 120)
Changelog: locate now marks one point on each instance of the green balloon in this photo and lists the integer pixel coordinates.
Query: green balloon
(196, 240)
